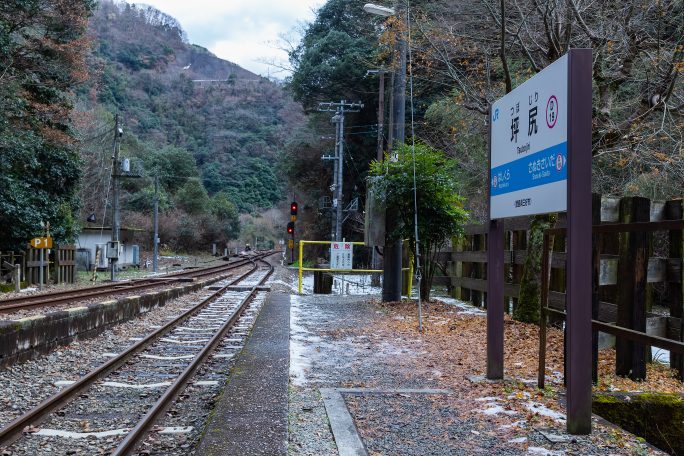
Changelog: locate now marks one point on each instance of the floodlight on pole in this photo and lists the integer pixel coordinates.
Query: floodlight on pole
(392, 272)
(378, 10)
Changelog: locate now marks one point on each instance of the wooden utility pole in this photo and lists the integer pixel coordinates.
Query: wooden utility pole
(155, 241)
(391, 284)
(116, 210)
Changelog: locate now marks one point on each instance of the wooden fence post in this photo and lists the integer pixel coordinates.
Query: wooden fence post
(476, 271)
(632, 277)
(519, 243)
(466, 268)
(457, 268)
(674, 210)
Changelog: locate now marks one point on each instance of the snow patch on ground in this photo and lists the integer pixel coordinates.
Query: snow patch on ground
(494, 409)
(290, 286)
(660, 355)
(518, 440)
(464, 307)
(487, 399)
(346, 284)
(540, 451)
(542, 410)
(299, 363)
(515, 424)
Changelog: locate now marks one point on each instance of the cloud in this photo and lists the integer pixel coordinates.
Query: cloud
(242, 31)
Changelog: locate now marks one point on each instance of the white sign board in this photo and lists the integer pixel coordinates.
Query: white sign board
(341, 254)
(529, 146)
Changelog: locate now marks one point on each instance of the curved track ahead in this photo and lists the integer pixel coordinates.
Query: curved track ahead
(72, 296)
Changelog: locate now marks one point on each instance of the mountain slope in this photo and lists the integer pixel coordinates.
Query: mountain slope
(172, 93)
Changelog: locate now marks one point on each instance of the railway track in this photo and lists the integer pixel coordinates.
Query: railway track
(174, 353)
(71, 296)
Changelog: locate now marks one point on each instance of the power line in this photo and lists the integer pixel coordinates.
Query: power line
(340, 109)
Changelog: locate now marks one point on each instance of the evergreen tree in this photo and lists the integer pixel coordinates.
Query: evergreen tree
(42, 60)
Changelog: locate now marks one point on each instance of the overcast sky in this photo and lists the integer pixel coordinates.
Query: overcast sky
(242, 31)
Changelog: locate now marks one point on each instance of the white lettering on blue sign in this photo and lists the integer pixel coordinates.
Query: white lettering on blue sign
(530, 146)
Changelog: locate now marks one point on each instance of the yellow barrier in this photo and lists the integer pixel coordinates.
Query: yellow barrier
(301, 269)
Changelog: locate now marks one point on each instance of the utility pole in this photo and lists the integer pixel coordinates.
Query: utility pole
(380, 155)
(391, 285)
(116, 217)
(338, 119)
(155, 260)
(381, 112)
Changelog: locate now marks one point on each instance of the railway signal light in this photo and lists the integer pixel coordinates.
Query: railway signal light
(290, 228)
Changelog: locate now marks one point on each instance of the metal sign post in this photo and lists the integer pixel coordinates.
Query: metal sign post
(540, 162)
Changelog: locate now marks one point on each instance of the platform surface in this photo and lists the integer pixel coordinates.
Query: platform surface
(251, 416)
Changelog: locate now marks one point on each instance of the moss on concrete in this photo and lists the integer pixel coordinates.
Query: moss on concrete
(658, 418)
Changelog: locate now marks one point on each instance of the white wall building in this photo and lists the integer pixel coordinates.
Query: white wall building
(94, 239)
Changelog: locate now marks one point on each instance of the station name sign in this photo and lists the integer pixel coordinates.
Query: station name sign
(529, 146)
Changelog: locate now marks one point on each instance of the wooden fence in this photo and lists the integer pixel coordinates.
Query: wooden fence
(65, 263)
(60, 264)
(638, 270)
(7, 262)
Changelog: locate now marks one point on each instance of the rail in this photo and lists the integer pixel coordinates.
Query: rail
(14, 429)
(60, 297)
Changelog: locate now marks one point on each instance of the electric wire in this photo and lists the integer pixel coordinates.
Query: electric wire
(109, 183)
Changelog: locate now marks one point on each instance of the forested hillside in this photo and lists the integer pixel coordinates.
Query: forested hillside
(43, 50)
(204, 126)
(465, 55)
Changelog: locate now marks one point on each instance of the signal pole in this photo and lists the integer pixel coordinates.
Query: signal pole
(338, 119)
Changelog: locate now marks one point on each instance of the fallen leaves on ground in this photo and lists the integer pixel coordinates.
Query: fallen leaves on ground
(452, 348)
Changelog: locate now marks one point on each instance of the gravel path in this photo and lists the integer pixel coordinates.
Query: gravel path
(352, 342)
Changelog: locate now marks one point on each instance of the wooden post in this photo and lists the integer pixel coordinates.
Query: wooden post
(466, 267)
(674, 210)
(476, 271)
(543, 304)
(457, 271)
(578, 308)
(17, 278)
(495, 301)
(58, 264)
(632, 275)
(519, 242)
(595, 273)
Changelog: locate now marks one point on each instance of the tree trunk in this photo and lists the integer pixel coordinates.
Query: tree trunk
(527, 309)
(428, 266)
